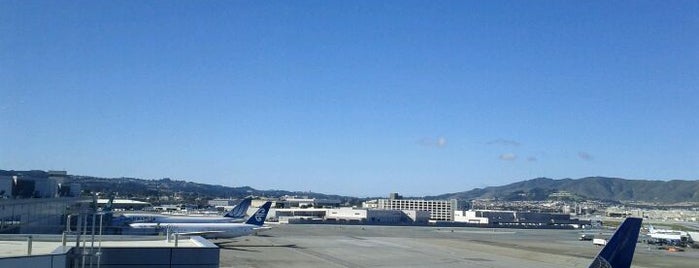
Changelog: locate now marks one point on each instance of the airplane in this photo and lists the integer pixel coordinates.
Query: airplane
(618, 252)
(214, 229)
(671, 237)
(234, 215)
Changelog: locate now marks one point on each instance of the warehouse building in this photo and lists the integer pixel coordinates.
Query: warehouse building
(517, 218)
(377, 216)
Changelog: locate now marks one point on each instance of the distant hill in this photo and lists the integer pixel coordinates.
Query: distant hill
(600, 188)
(141, 188)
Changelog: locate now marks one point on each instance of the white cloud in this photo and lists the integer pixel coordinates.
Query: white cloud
(504, 142)
(430, 142)
(441, 142)
(508, 157)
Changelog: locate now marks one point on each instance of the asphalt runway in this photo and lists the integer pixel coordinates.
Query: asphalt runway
(393, 246)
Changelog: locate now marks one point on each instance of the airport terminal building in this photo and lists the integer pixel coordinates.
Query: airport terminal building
(378, 216)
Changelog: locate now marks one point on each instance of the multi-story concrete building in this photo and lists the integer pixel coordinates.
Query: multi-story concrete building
(440, 210)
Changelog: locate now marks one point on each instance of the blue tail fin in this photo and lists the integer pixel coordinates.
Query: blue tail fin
(259, 217)
(240, 209)
(618, 252)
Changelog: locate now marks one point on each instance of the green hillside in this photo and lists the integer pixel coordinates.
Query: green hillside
(601, 188)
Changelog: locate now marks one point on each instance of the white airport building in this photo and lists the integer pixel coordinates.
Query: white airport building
(377, 216)
(303, 202)
(440, 210)
(287, 215)
(469, 216)
(349, 215)
(223, 203)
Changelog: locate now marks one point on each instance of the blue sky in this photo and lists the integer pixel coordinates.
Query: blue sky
(351, 97)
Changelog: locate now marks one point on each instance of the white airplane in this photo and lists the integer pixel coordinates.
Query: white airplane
(668, 236)
(234, 215)
(212, 229)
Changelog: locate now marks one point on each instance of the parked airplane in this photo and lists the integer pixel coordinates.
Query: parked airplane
(234, 215)
(212, 229)
(665, 236)
(618, 253)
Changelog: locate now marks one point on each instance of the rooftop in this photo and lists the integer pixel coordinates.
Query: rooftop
(17, 245)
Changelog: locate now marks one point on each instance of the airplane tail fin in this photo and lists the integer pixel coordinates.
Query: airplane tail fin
(240, 209)
(618, 253)
(259, 217)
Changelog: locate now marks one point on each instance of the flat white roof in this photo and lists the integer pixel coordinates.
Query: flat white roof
(122, 201)
(16, 245)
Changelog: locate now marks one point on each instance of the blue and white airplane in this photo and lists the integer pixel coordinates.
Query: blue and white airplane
(214, 229)
(234, 215)
(618, 253)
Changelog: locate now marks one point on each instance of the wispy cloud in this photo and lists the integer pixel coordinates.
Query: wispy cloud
(532, 159)
(508, 157)
(430, 142)
(585, 156)
(504, 142)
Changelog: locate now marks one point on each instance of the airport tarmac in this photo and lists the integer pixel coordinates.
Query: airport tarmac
(401, 246)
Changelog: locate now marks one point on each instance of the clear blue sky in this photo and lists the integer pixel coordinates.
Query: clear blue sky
(351, 97)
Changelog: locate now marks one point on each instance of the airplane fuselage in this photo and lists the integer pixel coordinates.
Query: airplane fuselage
(207, 230)
(159, 218)
(210, 229)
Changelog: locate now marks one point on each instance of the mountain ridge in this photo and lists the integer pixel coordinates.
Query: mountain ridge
(194, 192)
(595, 188)
(600, 188)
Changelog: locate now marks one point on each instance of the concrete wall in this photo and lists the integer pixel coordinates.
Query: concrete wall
(206, 256)
(469, 217)
(346, 214)
(44, 261)
(385, 216)
(378, 215)
(159, 257)
(45, 187)
(418, 216)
